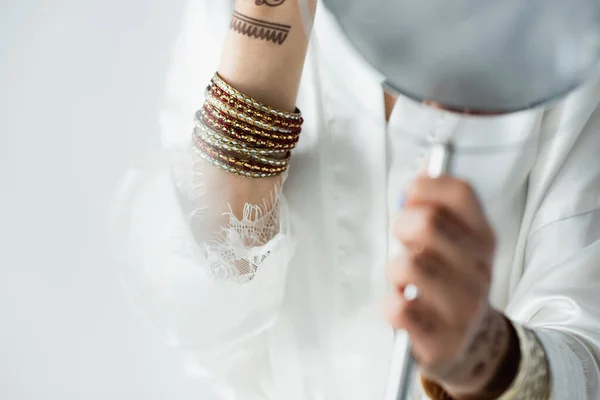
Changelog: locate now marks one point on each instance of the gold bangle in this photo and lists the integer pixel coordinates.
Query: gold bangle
(232, 142)
(218, 81)
(215, 142)
(251, 140)
(240, 135)
(247, 127)
(234, 161)
(249, 115)
(227, 168)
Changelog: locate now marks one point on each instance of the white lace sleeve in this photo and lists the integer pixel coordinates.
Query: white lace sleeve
(232, 248)
(208, 282)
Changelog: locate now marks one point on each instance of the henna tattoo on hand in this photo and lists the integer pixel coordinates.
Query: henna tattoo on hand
(482, 337)
(259, 29)
(487, 343)
(473, 369)
(270, 3)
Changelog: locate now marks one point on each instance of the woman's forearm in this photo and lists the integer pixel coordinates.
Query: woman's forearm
(265, 50)
(263, 58)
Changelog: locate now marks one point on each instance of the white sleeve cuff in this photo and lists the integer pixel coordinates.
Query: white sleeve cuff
(566, 357)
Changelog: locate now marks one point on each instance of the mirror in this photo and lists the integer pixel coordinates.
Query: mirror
(477, 55)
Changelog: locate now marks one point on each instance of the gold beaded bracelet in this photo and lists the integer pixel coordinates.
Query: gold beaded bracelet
(245, 138)
(227, 168)
(232, 142)
(225, 118)
(235, 162)
(253, 117)
(219, 82)
(237, 134)
(212, 140)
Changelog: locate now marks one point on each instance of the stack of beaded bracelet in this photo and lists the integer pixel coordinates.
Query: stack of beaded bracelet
(242, 136)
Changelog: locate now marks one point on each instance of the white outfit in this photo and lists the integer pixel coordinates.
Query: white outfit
(308, 326)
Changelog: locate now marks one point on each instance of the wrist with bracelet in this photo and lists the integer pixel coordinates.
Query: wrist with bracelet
(523, 373)
(243, 136)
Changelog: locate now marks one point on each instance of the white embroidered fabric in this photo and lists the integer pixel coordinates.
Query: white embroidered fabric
(186, 263)
(233, 249)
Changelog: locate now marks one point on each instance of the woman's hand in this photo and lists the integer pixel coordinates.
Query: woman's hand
(458, 339)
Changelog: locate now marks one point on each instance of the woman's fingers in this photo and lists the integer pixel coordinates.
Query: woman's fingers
(449, 290)
(417, 317)
(423, 323)
(458, 198)
(433, 231)
(449, 249)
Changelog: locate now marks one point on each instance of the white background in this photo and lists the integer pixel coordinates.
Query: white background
(81, 83)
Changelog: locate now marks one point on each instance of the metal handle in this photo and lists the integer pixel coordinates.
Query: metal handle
(438, 163)
(403, 361)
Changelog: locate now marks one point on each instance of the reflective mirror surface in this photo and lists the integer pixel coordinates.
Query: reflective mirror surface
(484, 55)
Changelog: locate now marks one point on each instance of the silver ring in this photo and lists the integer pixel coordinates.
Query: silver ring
(411, 292)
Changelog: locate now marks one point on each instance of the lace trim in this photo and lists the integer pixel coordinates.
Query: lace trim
(234, 248)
